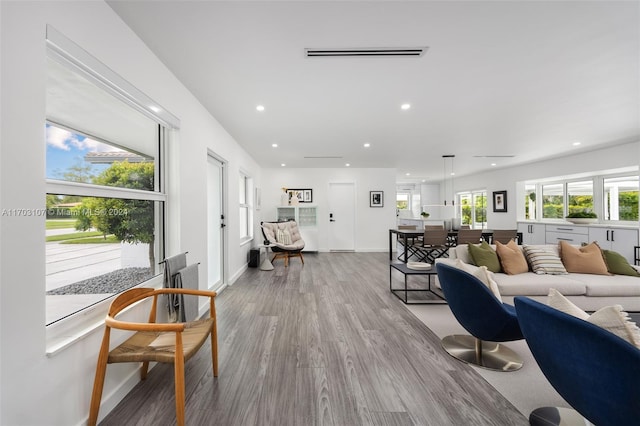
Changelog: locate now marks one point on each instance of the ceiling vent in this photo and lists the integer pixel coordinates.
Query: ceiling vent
(367, 51)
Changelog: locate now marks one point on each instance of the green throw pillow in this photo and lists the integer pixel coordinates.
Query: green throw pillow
(617, 264)
(484, 255)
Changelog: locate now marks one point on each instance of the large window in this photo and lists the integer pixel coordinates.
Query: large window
(530, 212)
(611, 198)
(553, 201)
(473, 209)
(579, 196)
(104, 190)
(246, 212)
(621, 198)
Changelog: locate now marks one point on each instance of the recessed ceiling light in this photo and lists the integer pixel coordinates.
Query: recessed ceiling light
(282, 165)
(260, 108)
(405, 106)
(275, 145)
(493, 164)
(348, 164)
(577, 143)
(367, 145)
(453, 174)
(154, 108)
(407, 174)
(424, 180)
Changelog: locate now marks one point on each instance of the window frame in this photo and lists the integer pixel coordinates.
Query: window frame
(472, 195)
(245, 183)
(598, 196)
(73, 328)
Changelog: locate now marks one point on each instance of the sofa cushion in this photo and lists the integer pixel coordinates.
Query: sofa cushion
(611, 318)
(544, 259)
(511, 258)
(530, 284)
(484, 255)
(617, 264)
(612, 285)
(586, 260)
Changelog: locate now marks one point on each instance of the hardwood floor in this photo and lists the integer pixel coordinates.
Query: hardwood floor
(321, 344)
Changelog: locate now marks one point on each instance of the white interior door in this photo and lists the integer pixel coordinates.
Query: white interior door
(215, 222)
(342, 217)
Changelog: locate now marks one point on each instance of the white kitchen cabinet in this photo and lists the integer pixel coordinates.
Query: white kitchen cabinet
(576, 235)
(621, 240)
(532, 233)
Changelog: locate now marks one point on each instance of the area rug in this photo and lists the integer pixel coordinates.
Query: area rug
(527, 388)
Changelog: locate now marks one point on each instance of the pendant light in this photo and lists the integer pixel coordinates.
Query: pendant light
(448, 158)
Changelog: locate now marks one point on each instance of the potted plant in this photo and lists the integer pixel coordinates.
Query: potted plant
(583, 216)
(424, 215)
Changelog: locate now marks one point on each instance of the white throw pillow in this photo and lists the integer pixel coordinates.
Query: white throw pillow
(283, 236)
(611, 318)
(483, 274)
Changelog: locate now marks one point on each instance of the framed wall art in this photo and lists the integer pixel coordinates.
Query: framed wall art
(500, 201)
(376, 198)
(303, 195)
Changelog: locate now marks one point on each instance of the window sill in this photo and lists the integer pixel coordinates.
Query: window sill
(69, 331)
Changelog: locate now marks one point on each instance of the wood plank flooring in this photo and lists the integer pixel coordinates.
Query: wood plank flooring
(321, 344)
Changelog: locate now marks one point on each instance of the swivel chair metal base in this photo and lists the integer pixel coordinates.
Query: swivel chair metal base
(489, 355)
(556, 416)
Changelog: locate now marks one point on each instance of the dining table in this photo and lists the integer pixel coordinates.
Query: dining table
(409, 234)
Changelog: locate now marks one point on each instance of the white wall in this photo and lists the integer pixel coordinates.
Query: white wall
(36, 389)
(372, 224)
(608, 158)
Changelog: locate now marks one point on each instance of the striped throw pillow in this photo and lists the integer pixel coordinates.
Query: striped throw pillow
(544, 260)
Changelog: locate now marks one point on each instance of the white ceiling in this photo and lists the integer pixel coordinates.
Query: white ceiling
(499, 78)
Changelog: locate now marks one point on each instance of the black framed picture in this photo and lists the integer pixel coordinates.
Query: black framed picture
(376, 198)
(303, 195)
(500, 201)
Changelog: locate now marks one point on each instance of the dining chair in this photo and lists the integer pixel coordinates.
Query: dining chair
(433, 246)
(504, 235)
(431, 227)
(410, 241)
(173, 343)
(466, 236)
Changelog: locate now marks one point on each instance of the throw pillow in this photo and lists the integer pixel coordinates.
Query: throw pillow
(511, 258)
(611, 318)
(283, 236)
(617, 264)
(484, 255)
(483, 274)
(583, 260)
(544, 260)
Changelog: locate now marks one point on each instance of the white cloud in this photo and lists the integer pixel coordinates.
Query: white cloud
(60, 138)
(65, 140)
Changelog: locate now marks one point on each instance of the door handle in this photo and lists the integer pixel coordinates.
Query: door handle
(332, 220)
(612, 235)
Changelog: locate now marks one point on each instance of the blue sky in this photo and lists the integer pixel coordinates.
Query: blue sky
(66, 149)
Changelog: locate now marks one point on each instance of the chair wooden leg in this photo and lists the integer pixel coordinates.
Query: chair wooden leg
(144, 370)
(179, 380)
(301, 257)
(214, 337)
(98, 382)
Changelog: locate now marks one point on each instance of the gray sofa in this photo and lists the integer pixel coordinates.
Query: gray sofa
(590, 292)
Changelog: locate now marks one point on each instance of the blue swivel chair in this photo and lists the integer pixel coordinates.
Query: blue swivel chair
(484, 316)
(595, 371)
